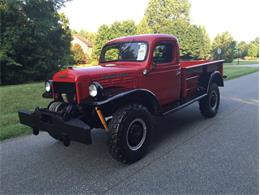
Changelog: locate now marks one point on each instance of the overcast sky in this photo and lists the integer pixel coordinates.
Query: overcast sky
(239, 17)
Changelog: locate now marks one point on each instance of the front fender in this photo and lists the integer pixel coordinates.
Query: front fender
(135, 96)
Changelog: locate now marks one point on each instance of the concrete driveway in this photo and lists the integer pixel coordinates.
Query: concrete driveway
(189, 155)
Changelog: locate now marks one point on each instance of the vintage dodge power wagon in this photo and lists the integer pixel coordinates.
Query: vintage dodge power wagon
(137, 77)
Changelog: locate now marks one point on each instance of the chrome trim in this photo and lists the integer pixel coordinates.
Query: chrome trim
(190, 78)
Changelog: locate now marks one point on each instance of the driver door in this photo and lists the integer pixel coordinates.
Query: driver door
(164, 78)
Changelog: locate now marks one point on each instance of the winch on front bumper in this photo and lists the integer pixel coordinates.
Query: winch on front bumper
(56, 126)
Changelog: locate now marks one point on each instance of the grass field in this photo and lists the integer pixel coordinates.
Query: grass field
(234, 72)
(13, 98)
(28, 96)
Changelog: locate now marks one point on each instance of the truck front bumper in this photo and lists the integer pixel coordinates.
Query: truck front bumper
(42, 120)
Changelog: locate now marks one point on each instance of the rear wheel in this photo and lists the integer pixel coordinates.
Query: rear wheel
(209, 104)
(130, 134)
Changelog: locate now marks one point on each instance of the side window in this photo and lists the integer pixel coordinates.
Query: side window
(163, 53)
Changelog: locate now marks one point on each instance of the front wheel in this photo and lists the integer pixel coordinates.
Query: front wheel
(130, 132)
(209, 104)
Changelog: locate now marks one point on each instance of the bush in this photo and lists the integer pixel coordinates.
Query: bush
(78, 54)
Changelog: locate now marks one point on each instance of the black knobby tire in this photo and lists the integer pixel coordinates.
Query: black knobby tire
(130, 133)
(209, 104)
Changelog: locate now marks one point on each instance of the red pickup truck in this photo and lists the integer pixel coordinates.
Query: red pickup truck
(137, 76)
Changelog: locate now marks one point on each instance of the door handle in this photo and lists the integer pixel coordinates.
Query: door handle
(178, 72)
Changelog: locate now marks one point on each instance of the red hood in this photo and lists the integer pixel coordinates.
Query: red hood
(122, 76)
(76, 74)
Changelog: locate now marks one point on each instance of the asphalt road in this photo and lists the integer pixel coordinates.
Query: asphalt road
(189, 155)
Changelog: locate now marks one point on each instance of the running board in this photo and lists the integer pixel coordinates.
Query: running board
(183, 105)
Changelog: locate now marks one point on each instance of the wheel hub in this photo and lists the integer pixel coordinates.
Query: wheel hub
(213, 100)
(136, 134)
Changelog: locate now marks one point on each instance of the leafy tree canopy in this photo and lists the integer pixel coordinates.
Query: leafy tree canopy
(78, 54)
(34, 39)
(172, 17)
(90, 36)
(117, 29)
(243, 49)
(143, 27)
(227, 44)
(253, 48)
(161, 14)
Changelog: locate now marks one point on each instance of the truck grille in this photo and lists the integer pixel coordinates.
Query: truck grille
(67, 88)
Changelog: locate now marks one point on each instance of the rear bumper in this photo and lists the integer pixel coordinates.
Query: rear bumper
(41, 120)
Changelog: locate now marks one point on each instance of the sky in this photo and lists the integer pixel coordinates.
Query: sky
(239, 17)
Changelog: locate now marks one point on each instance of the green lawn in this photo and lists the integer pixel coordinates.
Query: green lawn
(242, 62)
(234, 72)
(13, 98)
(28, 96)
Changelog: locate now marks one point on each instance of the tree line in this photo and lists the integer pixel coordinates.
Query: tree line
(35, 38)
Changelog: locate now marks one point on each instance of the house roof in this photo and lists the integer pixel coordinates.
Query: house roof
(87, 42)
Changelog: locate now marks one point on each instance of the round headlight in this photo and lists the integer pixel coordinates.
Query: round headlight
(93, 91)
(48, 86)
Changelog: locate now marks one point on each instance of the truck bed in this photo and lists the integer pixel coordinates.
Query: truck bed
(191, 72)
(185, 64)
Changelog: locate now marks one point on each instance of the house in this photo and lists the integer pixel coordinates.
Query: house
(85, 45)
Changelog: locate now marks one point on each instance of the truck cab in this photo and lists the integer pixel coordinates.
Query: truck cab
(137, 76)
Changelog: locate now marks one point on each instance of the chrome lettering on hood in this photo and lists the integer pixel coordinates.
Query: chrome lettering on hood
(115, 76)
(63, 76)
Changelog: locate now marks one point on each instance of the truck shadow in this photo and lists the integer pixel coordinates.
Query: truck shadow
(88, 164)
(175, 124)
(168, 127)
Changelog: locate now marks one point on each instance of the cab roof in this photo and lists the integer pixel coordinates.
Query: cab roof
(144, 37)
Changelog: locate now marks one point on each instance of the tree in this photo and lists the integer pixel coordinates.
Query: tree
(172, 17)
(117, 29)
(227, 44)
(257, 44)
(90, 36)
(243, 49)
(205, 44)
(78, 54)
(103, 35)
(34, 39)
(253, 48)
(162, 14)
(143, 27)
(124, 28)
(194, 40)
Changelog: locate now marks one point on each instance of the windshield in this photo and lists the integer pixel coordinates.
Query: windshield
(124, 51)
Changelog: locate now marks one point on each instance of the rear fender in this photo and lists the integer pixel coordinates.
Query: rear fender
(215, 77)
